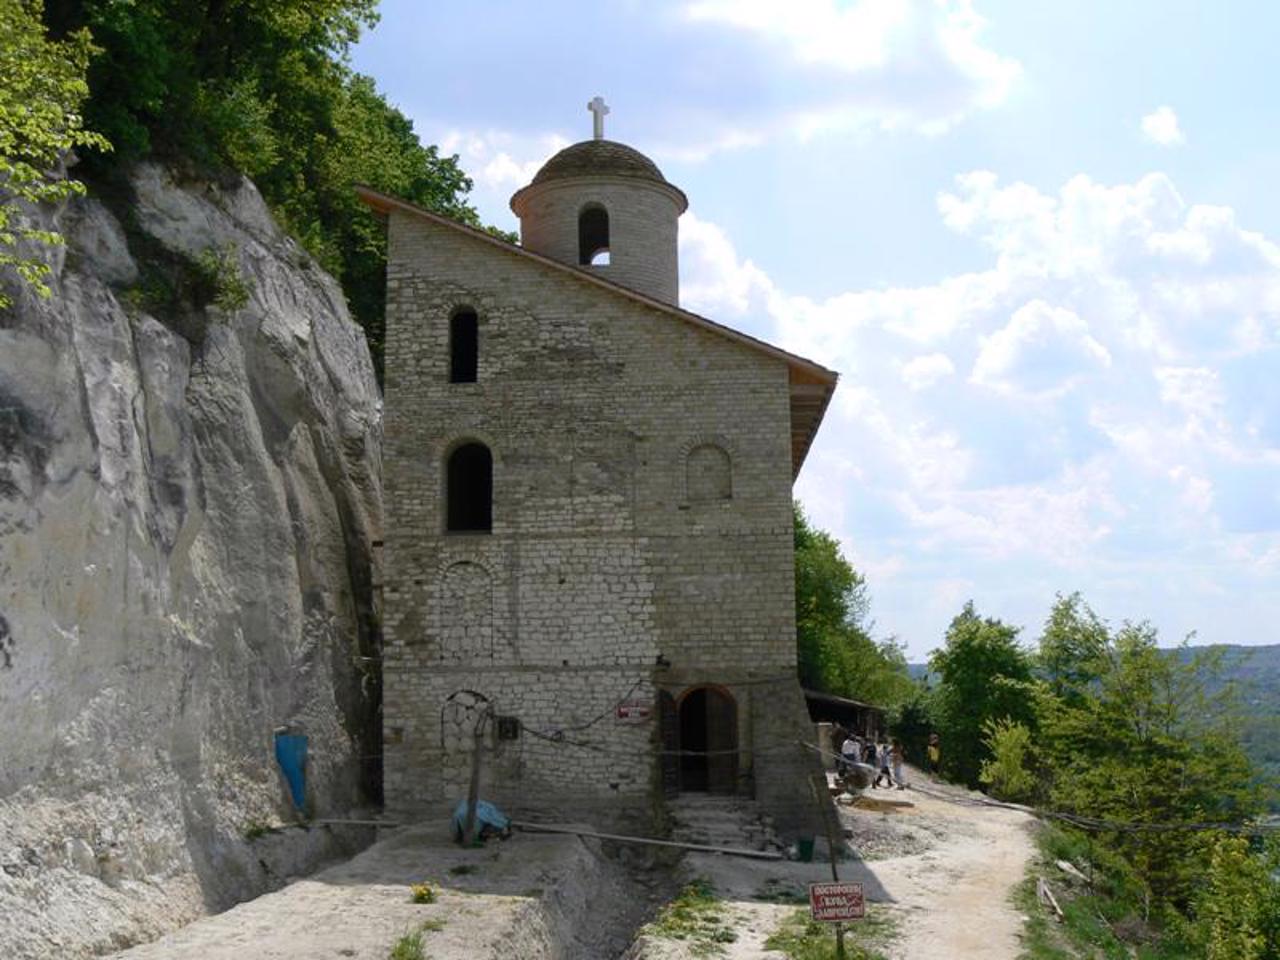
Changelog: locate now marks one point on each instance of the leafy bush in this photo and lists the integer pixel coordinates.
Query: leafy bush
(1006, 772)
(218, 280)
(422, 893)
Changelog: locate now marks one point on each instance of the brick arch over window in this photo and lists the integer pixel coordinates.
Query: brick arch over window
(708, 473)
(469, 489)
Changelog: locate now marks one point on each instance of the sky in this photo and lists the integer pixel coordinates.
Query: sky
(1040, 242)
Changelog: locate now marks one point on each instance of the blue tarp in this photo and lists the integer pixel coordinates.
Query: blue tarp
(487, 815)
(291, 754)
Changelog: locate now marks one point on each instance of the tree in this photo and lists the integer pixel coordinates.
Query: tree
(1150, 745)
(42, 86)
(835, 649)
(1073, 648)
(985, 676)
(264, 87)
(1238, 906)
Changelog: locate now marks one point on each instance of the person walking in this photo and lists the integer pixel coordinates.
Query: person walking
(935, 754)
(849, 753)
(896, 756)
(869, 758)
(886, 758)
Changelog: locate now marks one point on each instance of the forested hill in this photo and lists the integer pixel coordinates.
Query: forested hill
(1256, 671)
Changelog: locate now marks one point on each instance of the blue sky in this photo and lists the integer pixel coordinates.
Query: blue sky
(1037, 240)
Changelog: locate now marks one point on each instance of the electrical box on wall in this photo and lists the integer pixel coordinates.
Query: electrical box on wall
(508, 728)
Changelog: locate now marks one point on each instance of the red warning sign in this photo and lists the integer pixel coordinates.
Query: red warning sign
(833, 902)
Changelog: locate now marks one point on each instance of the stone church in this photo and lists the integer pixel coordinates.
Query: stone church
(588, 564)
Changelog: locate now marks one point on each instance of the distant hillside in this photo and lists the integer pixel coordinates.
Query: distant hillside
(1257, 671)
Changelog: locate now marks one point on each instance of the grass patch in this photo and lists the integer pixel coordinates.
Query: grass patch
(698, 917)
(434, 925)
(408, 947)
(256, 830)
(801, 937)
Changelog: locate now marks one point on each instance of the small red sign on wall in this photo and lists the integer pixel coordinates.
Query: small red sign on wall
(634, 712)
(833, 902)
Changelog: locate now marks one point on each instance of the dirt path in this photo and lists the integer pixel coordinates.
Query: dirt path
(949, 887)
(943, 872)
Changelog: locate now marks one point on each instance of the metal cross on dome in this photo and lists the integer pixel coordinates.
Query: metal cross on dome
(598, 110)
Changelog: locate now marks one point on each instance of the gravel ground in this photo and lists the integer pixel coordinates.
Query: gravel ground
(942, 868)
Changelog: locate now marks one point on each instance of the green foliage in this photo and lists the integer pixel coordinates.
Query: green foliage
(913, 720)
(1150, 745)
(1102, 919)
(264, 87)
(1238, 907)
(697, 916)
(218, 279)
(42, 87)
(1073, 648)
(800, 937)
(1008, 770)
(835, 649)
(408, 947)
(256, 830)
(422, 893)
(985, 676)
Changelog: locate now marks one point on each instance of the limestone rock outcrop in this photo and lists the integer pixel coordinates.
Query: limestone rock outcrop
(189, 498)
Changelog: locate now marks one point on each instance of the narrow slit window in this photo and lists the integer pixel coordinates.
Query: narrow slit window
(464, 347)
(469, 489)
(593, 236)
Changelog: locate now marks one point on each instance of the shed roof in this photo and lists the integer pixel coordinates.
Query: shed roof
(811, 384)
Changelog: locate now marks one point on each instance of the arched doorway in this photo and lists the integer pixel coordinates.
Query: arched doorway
(708, 725)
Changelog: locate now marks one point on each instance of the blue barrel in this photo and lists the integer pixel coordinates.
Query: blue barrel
(291, 754)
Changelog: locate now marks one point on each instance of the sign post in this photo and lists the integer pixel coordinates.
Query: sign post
(836, 902)
(832, 902)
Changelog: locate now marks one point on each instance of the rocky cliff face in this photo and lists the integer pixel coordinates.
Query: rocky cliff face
(188, 497)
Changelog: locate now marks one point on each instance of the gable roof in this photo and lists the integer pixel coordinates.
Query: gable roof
(811, 383)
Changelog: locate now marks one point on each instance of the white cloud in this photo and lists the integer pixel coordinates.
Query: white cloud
(852, 62)
(498, 160)
(1161, 127)
(714, 280)
(922, 372)
(1042, 352)
(1112, 432)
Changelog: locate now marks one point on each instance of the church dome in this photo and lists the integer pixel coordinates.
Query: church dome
(599, 158)
(606, 207)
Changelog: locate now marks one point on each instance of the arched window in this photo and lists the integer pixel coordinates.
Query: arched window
(593, 236)
(708, 474)
(469, 489)
(464, 348)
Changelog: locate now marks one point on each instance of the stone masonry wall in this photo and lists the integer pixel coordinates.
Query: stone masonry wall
(600, 564)
(642, 230)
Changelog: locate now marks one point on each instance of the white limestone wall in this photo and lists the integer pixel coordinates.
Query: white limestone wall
(187, 501)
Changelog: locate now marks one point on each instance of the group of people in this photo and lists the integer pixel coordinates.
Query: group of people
(884, 756)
